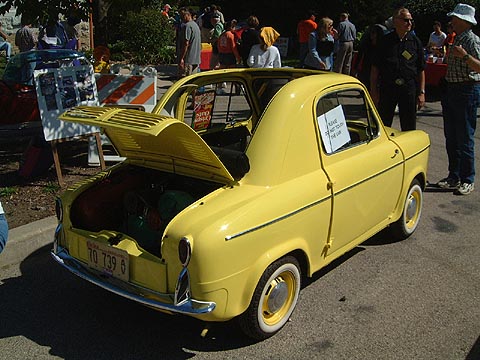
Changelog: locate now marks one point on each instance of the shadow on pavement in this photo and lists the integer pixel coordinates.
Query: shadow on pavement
(75, 319)
(474, 353)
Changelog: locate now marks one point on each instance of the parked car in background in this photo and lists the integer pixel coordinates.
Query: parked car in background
(19, 113)
(230, 196)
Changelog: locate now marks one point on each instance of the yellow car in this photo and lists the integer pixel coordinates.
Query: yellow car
(238, 185)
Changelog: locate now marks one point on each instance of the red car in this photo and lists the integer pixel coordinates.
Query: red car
(19, 114)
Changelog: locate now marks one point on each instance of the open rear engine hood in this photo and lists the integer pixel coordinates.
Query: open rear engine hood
(154, 140)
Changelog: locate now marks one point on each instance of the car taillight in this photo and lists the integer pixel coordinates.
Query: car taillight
(184, 251)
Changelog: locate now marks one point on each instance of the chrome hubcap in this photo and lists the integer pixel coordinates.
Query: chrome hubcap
(411, 207)
(277, 295)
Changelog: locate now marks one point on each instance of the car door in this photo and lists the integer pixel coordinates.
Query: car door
(365, 168)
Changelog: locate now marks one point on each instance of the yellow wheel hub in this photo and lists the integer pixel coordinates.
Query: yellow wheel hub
(278, 298)
(412, 209)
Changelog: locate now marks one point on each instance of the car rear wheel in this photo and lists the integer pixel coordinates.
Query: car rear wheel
(274, 299)
(412, 211)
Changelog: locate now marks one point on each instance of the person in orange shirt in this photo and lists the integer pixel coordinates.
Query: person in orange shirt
(165, 10)
(228, 54)
(304, 28)
(450, 38)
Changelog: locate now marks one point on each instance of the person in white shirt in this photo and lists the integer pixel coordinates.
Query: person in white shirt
(265, 54)
(3, 229)
(436, 40)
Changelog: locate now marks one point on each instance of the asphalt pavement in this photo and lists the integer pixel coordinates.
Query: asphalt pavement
(413, 299)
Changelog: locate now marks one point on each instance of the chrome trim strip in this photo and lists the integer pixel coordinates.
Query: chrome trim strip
(231, 237)
(418, 153)
(133, 292)
(401, 163)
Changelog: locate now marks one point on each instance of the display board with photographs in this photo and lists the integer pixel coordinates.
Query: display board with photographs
(60, 89)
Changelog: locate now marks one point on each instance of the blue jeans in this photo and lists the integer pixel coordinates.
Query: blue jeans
(302, 54)
(3, 232)
(7, 47)
(459, 124)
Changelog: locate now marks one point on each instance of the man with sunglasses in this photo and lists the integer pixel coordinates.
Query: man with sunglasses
(397, 74)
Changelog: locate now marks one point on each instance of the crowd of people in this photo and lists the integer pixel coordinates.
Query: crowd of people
(55, 34)
(390, 61)
(231, 45)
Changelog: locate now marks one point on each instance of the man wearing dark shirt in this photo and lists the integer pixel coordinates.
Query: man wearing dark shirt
(397, 75)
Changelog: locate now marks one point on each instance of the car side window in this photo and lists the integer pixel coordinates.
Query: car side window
(345, 120)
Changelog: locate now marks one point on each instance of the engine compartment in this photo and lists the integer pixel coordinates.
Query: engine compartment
(138, 202)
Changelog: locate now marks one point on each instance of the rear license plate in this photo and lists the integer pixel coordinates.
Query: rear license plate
(108, 259)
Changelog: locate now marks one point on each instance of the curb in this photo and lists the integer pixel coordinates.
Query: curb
(26, 239)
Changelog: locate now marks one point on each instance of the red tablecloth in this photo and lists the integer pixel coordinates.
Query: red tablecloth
(434, 72)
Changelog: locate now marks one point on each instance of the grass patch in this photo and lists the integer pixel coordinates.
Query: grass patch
(51, 187)
(8, 191)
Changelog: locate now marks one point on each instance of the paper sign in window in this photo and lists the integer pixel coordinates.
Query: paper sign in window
(333, 129)
(203, 108)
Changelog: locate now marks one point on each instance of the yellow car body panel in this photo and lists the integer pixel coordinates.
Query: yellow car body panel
(296, 198)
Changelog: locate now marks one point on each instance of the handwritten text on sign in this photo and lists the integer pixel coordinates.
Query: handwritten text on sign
(333, 128)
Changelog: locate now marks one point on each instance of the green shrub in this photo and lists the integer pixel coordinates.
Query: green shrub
(148, 37)
(8, 191)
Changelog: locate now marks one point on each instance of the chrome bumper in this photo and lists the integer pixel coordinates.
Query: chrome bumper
(136, 293)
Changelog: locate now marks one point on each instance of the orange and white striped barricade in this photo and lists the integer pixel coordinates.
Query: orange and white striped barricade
(127, 86)
(134, 86)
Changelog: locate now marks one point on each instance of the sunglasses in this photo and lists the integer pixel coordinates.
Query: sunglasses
(406, 20)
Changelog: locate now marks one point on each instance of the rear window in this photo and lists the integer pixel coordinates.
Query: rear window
(220, 113)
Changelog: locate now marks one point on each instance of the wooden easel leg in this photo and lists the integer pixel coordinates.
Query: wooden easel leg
(100, 151)
(56, 160)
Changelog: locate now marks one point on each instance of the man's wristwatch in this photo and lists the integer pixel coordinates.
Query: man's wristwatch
(422, 91)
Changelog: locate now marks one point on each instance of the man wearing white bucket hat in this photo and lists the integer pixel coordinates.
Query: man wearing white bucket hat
(460, 103)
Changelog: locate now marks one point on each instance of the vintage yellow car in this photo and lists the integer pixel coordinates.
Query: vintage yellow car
(241, 183)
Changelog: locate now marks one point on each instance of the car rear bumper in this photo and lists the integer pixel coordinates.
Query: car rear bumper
(156, 300)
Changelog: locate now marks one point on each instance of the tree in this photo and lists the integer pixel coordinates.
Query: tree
(425, 12)
(42, 10)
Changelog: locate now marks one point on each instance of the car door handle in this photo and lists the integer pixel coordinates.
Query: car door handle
(330, 185)
(396, 152)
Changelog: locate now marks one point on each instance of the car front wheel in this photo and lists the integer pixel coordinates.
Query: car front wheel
(412, 210)
(274, 299)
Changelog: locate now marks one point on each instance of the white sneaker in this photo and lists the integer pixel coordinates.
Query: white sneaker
(465, 189)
